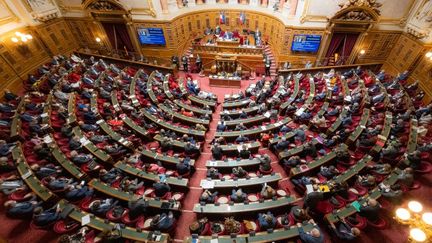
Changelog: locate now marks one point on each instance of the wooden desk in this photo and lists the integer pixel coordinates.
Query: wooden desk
(178, 145)
(194, 109)
(361, 126)
(232, 149)
(169, 160)
(173, 181)
(292, 97)
(229, 43)
(227, 165)
(100, 224)
(27, 175)
(231, 136)
(125, 196)
(202, 102)
(255, 120)
(296, 150)
(384, 133)
(236, 112)
(89, 145)
(276, 235)
(315, 163)
(191, 132)
(226, 209)
(191, 121)
(224, 82)
(353, 170)
(236, 104)
(375, 194)
(15, 127)
(243, 182)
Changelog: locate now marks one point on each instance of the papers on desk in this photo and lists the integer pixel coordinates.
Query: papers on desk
(381, 137)
(85, 220)
(309, 188)
(356, 205)
(267, 114)
(213, 163)
(99, 121)
(324, 188)
(300, 111)
(47, 139)
(84, 141)
(263, 128)
(207, 184)
(277, 124)
(214, 240)
(27, 174)
(348, 98)
(43, 115)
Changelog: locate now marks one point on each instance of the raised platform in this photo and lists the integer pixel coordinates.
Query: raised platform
(225, 82)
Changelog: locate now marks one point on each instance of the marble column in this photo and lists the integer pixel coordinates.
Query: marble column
(254, 2)
(164, 6)
(293, 7)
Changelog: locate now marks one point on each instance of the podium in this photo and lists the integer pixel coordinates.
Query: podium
(228, 43)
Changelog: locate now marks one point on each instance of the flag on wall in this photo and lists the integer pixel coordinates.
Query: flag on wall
(221, 18)
(242, 18)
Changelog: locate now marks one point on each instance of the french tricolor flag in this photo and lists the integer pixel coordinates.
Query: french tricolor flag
(242, 18)
(221, 18)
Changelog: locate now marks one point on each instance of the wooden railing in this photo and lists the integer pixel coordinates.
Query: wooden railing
(372, 66)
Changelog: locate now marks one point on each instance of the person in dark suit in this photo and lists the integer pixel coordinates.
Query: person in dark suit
(44, 218)
(191, 149)
(266, 221)
(137, 207)
(406, 177)
(282, 144)
(213, 173)
(163, 222)
(161, 188)
(100, 207)
(244, 152)
(75, 193)
(16, 209)
(312, 199)
(208, 197)
(238, 196)
(370, 210)
(313, 236)
(345, 232)
(217, 152)
(183, 167)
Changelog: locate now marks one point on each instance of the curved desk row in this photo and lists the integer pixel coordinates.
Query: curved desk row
(243, 182)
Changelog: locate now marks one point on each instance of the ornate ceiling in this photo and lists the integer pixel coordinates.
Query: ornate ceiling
(412, 16)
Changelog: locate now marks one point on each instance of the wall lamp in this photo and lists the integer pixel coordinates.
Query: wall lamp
(429, 55)
(420, 223)
(20, 37)
(362, 52)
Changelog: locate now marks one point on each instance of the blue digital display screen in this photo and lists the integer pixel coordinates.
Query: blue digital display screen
(306, 43)
(151, 36)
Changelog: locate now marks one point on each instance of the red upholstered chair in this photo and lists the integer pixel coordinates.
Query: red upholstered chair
(206, 230)
(291, 221)
(18, 195)
(126, 220)
(380, 224)
(90, 237)
(351, 197)
(64, 227)
(109, 215)
(342, 202)
(85, 203)
(359, 222)
(45, 227)
(425, 168)
(361, 191)
(324, 207)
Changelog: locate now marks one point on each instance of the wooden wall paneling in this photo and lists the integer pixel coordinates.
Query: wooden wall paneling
(57, 37)
(85, 31)
(378, 45)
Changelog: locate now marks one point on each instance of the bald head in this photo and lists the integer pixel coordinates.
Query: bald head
(315, 233)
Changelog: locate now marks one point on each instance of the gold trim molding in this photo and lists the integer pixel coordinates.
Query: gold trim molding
(11, 18)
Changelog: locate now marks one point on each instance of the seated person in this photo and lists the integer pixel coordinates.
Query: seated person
(46, 170)
(20, 209)
(208, 197)
(44, 218)
(382, 169)
(414, 159)
(309, 149)
(163, 222)
(198, 226)
(312, 199)
(345, 232)
(244, 152)
(313, 236)
(213, 173)
(221, 127)
(406, 177)
(183, 167)
(391, 193)
(191, 149)
(241, 139)
(109, 176)
(370, 210)
(329, 172)
(217, 152)
(367, 181)
(161, 188)
(299, 214)
(100, 207)
(239, 172)
(282, 144)
(267, 192)
(78, 192)
(265, 162)
(58, 183)
(238, 196)
(240, 127)
(137, 207)
(266, 221)
(292, 161)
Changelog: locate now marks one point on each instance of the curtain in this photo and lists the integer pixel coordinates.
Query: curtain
(350, 41)
(336, 41)
(118, 36)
